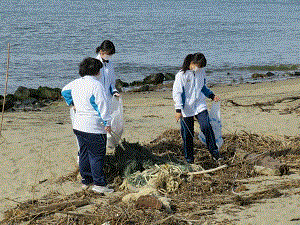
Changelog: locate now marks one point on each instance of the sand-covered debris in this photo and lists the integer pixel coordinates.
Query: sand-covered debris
(158, 170)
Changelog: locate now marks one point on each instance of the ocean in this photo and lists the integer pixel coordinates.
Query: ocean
(50, 37)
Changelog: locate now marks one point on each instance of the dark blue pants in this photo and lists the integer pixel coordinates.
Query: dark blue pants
(91, 157)
(187, 133)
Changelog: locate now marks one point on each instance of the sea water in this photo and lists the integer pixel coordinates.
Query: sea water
(49, 38)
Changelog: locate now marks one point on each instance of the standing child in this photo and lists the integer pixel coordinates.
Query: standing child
(189, 92)
(106, 74)
(91, 123)
(108, 78)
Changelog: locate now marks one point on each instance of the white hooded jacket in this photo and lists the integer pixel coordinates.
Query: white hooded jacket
(107, 77)
(189, 92)
(92, 109)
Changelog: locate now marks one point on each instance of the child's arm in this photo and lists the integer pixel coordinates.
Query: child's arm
(178, 96)
(100, 104)
(67, 94)
(178, 93)
(113, 89)
(208, 93)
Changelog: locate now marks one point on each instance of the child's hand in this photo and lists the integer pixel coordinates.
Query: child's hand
(73, 107)
(108, 129)
(216, 98)
(178, 116)
(117, 95)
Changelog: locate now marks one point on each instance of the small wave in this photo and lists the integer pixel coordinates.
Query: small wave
(26, 28)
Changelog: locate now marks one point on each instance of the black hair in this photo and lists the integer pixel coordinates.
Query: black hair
(90, 66)
(199, 60)
(187, 62)
(106, 46)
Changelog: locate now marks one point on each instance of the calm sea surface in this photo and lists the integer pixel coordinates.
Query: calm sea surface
(50, 37)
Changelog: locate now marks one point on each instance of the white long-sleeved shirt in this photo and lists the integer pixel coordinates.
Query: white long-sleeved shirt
(92, 109)
(107, 77)
(189, 92)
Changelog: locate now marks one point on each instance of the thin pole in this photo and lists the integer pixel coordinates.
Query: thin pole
(5, 90)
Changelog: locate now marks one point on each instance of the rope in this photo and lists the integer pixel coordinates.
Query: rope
(187, 128)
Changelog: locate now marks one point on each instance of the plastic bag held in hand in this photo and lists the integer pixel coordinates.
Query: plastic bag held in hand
(215, 121)
(116, 107)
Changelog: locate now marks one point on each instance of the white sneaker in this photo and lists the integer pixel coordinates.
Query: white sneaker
(102, 189)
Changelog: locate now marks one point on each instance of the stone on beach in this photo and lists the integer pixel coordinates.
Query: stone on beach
(120, 84)
(30, 99)
(261, 75)
(9, 101)
(157, 78)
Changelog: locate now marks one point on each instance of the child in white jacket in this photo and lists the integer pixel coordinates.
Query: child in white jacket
(189, 92)
(107, 73)
(91, 122)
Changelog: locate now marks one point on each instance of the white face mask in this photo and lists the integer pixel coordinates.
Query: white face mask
(107, 57)
(196, 69)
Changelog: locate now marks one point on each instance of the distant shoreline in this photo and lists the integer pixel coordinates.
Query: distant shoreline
(215, 76)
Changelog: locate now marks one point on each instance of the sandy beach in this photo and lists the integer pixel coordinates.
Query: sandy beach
(39, 147)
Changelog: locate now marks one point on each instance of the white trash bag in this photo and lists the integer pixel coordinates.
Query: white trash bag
(215, 121)
(113, 139)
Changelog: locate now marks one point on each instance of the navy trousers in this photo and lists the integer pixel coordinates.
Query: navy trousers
(187, 133)
(91, 157)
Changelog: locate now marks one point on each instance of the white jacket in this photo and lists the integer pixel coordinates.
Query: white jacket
(92, 111)
(107, 77)
(189, 92)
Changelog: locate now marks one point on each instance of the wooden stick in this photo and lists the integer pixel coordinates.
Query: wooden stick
(80, 214)
(269, 103)
(62, 205)
(5, 90)
(207, 171)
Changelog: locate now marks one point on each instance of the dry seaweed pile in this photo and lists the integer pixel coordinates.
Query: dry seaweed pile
(191, 200)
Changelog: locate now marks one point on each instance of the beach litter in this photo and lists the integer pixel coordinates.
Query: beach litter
(155, 186)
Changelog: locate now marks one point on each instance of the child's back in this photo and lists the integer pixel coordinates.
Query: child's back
(89, 99)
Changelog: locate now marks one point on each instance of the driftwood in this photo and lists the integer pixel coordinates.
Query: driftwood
(33, 212)
(263, 163)
(269, 103)
(207, 171)
(63, 205)
(260, 105)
